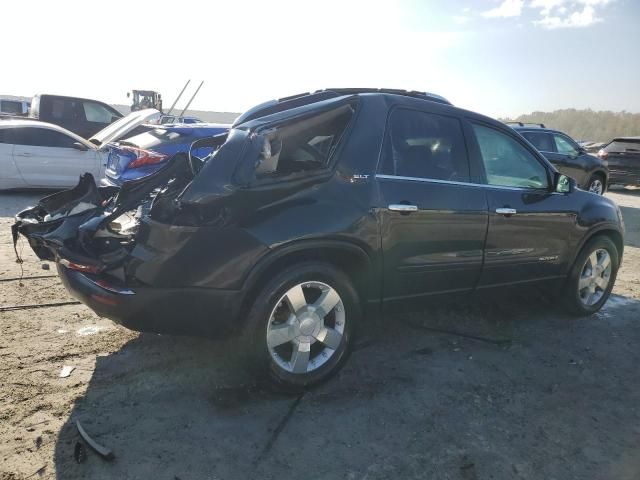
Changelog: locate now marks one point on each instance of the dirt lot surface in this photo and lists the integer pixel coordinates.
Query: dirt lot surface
(498, 387)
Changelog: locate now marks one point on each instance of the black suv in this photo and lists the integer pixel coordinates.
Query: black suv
(590, 172)
(623, 157)
(318, 208)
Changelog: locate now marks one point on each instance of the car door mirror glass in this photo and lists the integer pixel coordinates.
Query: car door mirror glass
(564, 184)
(80, 146)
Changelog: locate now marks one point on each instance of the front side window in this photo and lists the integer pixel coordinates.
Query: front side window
(542, 141)
(508, 163)
(303, 145)
(425, 145)
(565, 146)
(94, 112)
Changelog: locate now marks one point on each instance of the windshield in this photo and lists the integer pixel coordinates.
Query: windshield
(118, 128)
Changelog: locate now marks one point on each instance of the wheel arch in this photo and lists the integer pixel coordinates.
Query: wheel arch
(602, 173)
(346, 256)
(605, 231)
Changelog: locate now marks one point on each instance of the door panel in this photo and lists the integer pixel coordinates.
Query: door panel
(9, 175)
(433, 222)
(530, 227)
(54, 167)
(533, 242)
(45, 158)
(438, 247)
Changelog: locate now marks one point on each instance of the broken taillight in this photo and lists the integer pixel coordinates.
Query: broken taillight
(79, 266)
(145, 157)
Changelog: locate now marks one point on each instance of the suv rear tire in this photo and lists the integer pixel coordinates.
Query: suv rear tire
(299, 330)
(592, 277)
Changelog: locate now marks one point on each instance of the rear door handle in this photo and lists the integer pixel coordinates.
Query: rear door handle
(506, 211)
(404, 208)
(23, 154)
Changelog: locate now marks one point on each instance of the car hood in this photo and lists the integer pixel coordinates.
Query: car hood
(121, 127)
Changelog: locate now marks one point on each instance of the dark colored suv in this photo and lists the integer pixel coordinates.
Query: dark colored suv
(318, 208)
(590, 172)
(623, 156)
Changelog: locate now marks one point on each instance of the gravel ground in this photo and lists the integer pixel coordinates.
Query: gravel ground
(475, 388)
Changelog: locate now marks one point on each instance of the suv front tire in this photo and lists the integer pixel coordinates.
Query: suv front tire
(592, 277)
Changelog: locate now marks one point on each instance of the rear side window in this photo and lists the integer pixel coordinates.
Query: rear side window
(618, 146)
(41, 137)
(304, 144)
(542, 141)
(59, 109)
(425, 145)
(508, 163)
(94, 112)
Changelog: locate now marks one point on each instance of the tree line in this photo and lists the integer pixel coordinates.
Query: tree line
(588, 125)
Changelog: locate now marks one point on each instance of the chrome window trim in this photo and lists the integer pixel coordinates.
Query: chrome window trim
(464, 184)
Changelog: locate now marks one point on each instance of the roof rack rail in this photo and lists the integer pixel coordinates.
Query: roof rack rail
(395, 91)
(306, 98)
(526, 124)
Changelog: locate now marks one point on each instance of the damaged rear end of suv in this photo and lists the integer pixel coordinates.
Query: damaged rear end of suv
(180, 251)
(315, 211)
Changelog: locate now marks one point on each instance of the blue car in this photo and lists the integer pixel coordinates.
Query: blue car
(145, 153)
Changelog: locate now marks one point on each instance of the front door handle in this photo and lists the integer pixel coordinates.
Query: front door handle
(23, 154)
(402, 207)
(506, 211)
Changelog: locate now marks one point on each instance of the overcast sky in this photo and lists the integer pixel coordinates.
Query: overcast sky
(497, 57)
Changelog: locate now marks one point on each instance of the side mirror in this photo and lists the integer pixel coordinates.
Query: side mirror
(80, 146)
(563, 184)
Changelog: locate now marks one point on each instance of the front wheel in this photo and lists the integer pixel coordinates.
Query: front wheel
(597, 184)
(300, 326)
(592, 277)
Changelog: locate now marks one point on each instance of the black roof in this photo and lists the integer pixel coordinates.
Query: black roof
(526, 125)
(626, 139)
(301, 99)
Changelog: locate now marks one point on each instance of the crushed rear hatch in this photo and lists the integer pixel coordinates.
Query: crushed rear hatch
(93, 228)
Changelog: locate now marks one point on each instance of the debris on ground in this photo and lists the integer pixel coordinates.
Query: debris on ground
(79, 452)
(104, 452)
(88, 331)
(66, 371)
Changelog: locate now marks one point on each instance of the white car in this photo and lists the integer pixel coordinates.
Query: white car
(36, 154)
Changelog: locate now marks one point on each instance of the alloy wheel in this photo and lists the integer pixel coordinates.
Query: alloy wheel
(595, 277)
(596, 186)
(306, 327)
